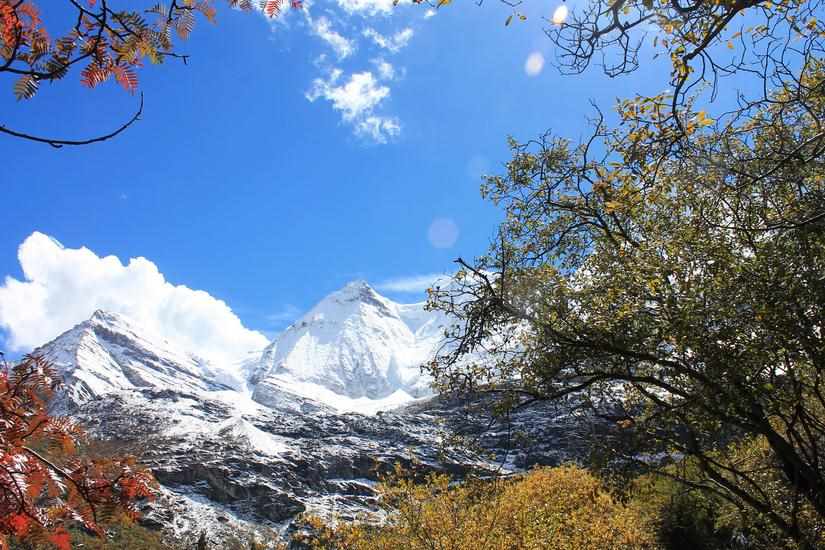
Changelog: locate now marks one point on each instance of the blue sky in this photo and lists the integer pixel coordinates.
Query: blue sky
(288, 158)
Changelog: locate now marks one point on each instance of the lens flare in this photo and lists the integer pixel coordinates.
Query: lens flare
(534, 64)
(442, 233)
(560, 15)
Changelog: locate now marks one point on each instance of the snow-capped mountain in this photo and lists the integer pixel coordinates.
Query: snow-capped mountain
(354, 350)
(108, 353)
(256, 444)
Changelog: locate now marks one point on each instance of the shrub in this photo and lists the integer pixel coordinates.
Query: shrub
(564, 508)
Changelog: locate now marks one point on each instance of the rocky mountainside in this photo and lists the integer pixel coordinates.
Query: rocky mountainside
(226, 465)
(258, 445)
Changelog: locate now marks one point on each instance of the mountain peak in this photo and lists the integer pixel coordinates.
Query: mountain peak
(358, 288)
(352, 296)
(108, 321)
(357, 284)
(101, 316)
(353, 345)
(108, 352)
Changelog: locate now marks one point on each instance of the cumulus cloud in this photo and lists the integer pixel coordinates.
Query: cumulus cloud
(394, 43)
(342, 46)
(63, 286)
(413, 283)
(356, 100)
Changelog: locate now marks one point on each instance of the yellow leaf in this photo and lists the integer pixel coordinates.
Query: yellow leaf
(703, 120)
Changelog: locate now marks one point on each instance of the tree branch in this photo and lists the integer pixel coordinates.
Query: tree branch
(59, 143)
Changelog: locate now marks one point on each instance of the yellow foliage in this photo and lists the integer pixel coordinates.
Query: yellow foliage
(564, 508)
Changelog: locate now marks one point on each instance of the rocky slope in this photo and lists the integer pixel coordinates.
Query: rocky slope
(225, 463)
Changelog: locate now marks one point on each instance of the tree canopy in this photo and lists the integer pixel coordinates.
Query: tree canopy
(564, 508)
(670, 266)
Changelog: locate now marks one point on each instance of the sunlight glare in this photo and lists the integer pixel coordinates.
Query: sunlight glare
(442, 233)
(560, 15)
(534, 64)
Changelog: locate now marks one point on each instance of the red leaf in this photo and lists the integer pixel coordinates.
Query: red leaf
(19, 525)
(126, 77)
(271, 8)
(61, 540)
(93, 75)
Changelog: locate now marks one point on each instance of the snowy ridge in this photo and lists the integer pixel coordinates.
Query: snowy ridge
(107, 353)
(274, 441)
(355, 351)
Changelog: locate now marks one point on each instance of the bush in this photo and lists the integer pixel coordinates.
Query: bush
(564, 508)
(121, 535)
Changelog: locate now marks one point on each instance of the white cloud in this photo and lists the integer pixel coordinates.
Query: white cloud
(357, 97)
(393, 43)
(385, 69)
(356, 100)
(430, 13)
(369, 7)
(342, 46)
(63, 286)
(413, 283)
(378, 128)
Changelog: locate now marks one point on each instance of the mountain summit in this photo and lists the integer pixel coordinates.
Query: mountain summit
(356, 350)
(353, 345)
(108, 353)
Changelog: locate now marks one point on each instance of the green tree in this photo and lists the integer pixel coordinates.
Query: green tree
(684, 287)
(670, 265)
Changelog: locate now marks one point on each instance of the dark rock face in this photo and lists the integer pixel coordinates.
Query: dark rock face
(320, 461)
